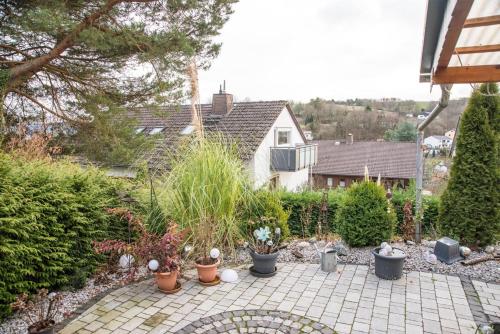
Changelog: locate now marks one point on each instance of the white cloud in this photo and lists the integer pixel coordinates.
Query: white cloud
(297, 50)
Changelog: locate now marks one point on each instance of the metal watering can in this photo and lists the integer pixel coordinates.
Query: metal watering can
(329, 258)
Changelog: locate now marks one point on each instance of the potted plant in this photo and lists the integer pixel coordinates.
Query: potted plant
(159, 252)
(207, 264)
(264, 251)
(40, 312)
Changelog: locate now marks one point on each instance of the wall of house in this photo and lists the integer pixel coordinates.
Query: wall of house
(261, 161)
(321, 181)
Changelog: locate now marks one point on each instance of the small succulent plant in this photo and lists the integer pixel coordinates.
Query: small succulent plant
(264, 241)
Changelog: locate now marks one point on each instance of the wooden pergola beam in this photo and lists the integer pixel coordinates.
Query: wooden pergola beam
(477, 49)
(467, 74)
(458, 17)
(482, 21)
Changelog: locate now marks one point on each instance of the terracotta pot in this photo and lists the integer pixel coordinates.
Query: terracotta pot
(166, 281)
(207, 273)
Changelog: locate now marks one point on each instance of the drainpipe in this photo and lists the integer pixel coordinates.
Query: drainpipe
(443, 103)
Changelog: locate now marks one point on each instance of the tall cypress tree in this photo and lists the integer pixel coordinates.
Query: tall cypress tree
(469, 208)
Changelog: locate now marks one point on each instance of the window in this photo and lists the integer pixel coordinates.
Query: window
(139, 130)
(329, 182)
(187, 130)
(283, 136)
(342, 183)
(156, 131)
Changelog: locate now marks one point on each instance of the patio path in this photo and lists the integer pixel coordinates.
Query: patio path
(299, 299)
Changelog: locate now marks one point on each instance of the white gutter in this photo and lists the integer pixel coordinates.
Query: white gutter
(443, 103)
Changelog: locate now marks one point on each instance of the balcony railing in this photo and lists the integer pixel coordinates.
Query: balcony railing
(292, 159)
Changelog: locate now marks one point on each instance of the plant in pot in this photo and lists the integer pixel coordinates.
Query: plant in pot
(40, 311)
(264, 246)
(207, 264)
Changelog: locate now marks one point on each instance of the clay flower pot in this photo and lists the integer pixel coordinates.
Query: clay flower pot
(207, 273)
(166, 281)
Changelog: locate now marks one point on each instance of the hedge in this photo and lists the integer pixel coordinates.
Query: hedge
(307, 204)
(49, 215)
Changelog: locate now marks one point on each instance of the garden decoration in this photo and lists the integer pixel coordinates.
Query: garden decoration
(207, 268)
(328, 258)
(389, 261)
(264, 251)
(447, 250)
(229, 276)
(40, 312)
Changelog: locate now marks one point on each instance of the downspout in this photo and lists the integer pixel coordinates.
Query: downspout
(443, 103)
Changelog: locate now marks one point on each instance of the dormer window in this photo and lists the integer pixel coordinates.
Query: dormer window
(283, 136)
(187, 130)
(139, 130)
(156, 131)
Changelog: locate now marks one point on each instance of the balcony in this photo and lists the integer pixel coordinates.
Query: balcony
(292, 159)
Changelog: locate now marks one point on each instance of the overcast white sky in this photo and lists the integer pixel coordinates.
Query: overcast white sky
(333, 49)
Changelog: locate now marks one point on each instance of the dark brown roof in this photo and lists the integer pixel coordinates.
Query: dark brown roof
(390, 159)
(247, 123)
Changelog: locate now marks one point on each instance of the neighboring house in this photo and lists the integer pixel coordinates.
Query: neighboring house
(450, 134)
(438, 142)
(269, 138)
(339, 165)
(308, 134)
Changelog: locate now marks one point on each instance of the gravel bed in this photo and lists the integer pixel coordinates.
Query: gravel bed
(70, 302)
(485, 271)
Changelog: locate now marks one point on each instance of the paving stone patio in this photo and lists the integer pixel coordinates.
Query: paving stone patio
(299, 299)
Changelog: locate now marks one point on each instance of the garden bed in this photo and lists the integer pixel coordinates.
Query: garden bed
(486, 271)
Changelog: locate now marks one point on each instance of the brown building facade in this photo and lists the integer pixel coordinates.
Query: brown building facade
(341, 164)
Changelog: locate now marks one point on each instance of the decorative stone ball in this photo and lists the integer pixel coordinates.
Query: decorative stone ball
(229, 276)
(388, 249)
(489, 249)
(214, 253)
(383, 252)
(153, 265)
(384, 244)
(126, 260)
(465, 251)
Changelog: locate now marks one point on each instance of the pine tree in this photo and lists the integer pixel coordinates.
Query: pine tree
(469, 209)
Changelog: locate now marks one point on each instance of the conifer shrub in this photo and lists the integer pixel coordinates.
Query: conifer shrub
(49, 215)
(365, 217)
(469, 210)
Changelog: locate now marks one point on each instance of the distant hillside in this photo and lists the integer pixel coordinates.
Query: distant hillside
(370, 119)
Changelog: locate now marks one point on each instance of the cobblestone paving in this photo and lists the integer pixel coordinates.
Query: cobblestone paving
(489, 295)
(352, 300)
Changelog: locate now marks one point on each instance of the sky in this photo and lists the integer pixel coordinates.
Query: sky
(333, 49)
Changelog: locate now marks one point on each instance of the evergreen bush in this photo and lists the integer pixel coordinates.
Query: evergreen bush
(365, 217)
(469, 208)
(49, 215)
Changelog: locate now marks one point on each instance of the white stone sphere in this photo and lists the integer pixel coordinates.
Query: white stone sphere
(126, 260)
(388, 248)
(465, 251)
(382, 252)
(229, 276)
(153, 265)
(384, 244)
(214, 253)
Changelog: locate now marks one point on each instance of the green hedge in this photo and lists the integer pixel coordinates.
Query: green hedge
(308, 203)
(305, 210)
(49, 215)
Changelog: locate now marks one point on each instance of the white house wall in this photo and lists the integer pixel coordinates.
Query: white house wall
(262, 157)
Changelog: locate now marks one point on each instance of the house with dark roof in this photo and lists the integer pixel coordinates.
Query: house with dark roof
(342, 163)
(269, 138)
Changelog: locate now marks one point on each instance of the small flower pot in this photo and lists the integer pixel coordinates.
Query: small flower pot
(389, 267)
(207, 272)
(166, 281)
(264, 263)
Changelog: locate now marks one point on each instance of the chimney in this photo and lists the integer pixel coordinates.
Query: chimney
(222, 103)
(350, 139)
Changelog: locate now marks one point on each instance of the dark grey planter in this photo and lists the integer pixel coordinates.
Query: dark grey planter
(264, 263)
(389, 267)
